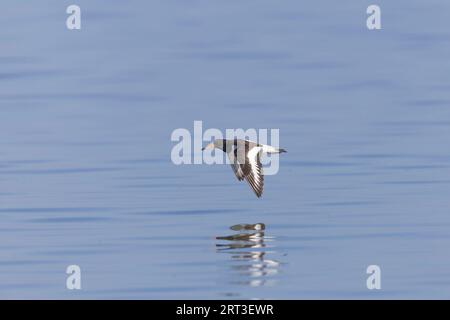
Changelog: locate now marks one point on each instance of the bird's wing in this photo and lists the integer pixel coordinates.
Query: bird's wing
(253, 171)
(237, 168)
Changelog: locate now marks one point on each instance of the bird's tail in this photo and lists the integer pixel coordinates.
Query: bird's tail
(270, 149)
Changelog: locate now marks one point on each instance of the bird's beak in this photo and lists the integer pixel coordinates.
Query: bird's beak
(209, 146)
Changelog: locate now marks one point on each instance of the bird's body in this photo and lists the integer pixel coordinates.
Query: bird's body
(245, 160)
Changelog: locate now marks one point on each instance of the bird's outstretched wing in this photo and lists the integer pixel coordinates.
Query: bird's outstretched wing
(253, 171)
(248, 166)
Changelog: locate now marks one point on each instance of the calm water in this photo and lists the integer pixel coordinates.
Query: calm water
(85, 170)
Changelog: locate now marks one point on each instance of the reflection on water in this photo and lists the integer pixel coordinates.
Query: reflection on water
(250, 250)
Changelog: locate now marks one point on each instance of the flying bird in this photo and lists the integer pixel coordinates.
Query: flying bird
(245, 160)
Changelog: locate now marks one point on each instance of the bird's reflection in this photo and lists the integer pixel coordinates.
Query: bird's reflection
(250, 250)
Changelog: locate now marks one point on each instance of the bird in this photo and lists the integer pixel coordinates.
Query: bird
(245, 159)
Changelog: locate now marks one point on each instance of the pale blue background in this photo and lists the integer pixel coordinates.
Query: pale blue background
(85, 170)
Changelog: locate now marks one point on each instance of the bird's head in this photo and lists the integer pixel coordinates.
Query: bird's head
(209, 146)
(218, 143)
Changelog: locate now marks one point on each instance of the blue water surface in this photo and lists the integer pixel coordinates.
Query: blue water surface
(86, 176)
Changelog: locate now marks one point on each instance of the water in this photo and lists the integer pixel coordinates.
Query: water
(85, 171)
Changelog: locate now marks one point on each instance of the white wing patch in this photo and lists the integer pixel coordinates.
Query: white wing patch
(248, 167)
(255, 176)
